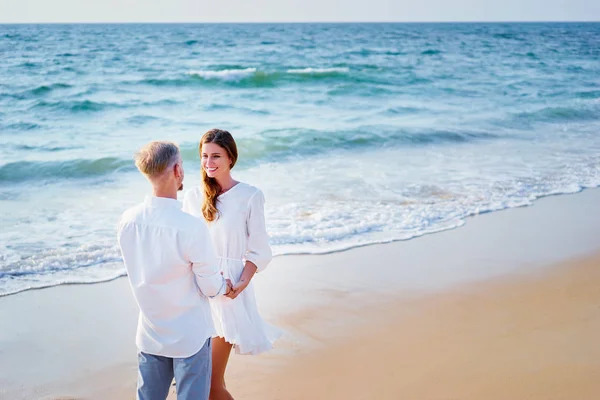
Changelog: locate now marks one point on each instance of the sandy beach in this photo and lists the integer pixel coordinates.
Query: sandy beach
(505, 307)
(531, 337)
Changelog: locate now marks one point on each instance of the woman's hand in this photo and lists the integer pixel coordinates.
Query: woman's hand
(247, 274)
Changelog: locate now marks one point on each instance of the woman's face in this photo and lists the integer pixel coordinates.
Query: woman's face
(215, 160)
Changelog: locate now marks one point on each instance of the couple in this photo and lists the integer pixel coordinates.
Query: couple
(190, 271)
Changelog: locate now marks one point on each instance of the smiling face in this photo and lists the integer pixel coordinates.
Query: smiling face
(215, 160)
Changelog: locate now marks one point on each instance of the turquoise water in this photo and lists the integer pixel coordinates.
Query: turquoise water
(357, 133)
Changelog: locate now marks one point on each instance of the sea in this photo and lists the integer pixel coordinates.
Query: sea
(357, 133)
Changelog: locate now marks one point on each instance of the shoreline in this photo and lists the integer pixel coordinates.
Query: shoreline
(296, 292)
(463, 221)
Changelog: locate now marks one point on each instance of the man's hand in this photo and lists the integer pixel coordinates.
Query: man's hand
(237, 289)
(229, 288)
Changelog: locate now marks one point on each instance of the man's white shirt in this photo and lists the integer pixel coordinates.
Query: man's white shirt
(172, 269)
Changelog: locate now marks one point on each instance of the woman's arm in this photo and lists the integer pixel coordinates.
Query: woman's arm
(258, 252)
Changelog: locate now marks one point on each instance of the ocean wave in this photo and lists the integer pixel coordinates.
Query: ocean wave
(90, 263)
(267, 145)
(246, 110)
(74, 106)
(362, 90)
(44, 89)
(510, 36)
(370, 52)
(589, 94)
(11, 36)
(225, 75)
(145, 119)
(29, 64)
(54, 260)
(400, 110)
(89, 106)
(38, 91)
(22, 171)
(22, 126)
(281, 144)
(560, 114)
(50, 149)
(250, 77)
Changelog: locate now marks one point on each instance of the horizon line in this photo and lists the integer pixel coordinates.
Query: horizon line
(296, 22)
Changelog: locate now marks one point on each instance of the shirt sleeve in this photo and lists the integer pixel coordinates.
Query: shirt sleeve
(204, 262)
(258, 250)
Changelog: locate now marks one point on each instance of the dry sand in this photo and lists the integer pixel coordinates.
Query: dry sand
(525, 337)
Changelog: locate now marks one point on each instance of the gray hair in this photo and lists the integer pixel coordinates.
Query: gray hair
(155, 157)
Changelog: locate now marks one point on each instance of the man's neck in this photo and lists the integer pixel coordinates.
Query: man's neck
(162, 192)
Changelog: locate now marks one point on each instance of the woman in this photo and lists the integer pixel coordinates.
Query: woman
(234, 213)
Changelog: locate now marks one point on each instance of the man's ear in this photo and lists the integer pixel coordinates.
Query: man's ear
(177, 171)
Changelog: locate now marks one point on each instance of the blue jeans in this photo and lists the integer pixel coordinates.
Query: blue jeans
(192, 375)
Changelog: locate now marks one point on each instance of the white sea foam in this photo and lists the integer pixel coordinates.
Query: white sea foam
(317, 71)
(328, 203)
(225, 74)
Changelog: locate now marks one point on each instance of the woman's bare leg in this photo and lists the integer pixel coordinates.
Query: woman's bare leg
(220, 355)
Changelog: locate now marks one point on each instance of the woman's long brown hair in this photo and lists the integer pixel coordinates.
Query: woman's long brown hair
(210, 186)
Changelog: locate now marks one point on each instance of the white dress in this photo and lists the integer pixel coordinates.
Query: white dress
(239, 234)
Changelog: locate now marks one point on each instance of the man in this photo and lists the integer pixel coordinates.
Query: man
(172, 270)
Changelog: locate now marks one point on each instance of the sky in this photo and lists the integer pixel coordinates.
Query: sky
(12, 11)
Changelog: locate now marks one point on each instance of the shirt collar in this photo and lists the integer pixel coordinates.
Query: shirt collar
(162, 202)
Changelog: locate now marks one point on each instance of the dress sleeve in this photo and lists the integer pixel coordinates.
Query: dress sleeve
(258, 250)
